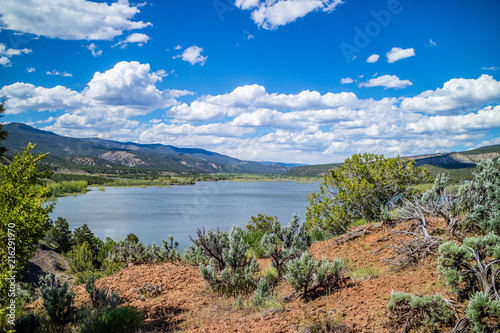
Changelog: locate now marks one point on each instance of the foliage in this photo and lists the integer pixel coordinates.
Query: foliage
(58, 302)
(132, 238)
(483, 313)
(23, 213)
(84, 234)
(322, 321)
(115, 320)
(99, 298)
(59, 234)
(285, 243)
(64, 187)
(253, 239)
(149, 290)
(233, 272)
(132, 251)
(81, 259)
(359, 188)
(261, 293)
(211, 244)
(262, 223)
(29, 323)
(409, 311)
(194, 255)
(331, 273)
(300, 272)
(471, 266)
(3, 133)
(482, 199)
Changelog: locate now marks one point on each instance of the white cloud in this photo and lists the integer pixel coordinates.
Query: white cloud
(346, 80)
(30, 69)
(431, 43)
(70, 19)
(54, 72)
(93, 48)
(138, 38)
(193, 55)
(6, 54)
(387, 81)
(373, 58)
(178, 47)
(398, 53)
(456, 96)
(492, 68)
(270, 14)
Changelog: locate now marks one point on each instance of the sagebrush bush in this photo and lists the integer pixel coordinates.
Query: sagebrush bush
(58, 303)
(300, 272)
(115, 320)
(285, 243)
(483, 313)
(471, 266)
(99, 298)
(261, 293)
(409, 311)
(229, 270)
(331, 273)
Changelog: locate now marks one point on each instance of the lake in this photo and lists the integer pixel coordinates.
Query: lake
(153, 213)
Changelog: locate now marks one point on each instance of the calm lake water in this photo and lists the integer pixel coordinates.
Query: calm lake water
(153, 213)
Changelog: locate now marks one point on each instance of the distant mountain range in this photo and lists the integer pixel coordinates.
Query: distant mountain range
(106, 156)
(456, 160)
(98, 155)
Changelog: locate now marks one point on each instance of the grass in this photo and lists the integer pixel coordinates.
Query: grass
(365, 272)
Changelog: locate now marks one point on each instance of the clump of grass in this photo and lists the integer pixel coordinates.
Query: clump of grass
(365, 272)
(323, 321)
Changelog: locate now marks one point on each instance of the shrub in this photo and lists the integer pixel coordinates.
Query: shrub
(81, 259)
(483, 313)
(149, 290)
(29, 323)
(471, 266)
(58, 302)
(285, 243)
(330, 274)
(409, 311)
(60, 234)
(99, 298)
(261, 293)
(262, 223)
(238, 273)
(300, 272)
(117, 320)
(194, 256)
(359, 188)
(211, 244)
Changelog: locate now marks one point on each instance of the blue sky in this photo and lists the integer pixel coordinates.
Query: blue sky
(309, 81)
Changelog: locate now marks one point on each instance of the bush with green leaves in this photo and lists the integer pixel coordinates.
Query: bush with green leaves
(482, 199)
(83, 234)
(359, 188)
(331, 273)
(483, 313)
(58, 301)
(261, 223)
(132, 251)
(472, 266)
(99, 298)
(23, 213)
(29, 323)
(121, 319)
(301, 271)
(408, 311)
(229, 270)
(59, 235)
(285, 243)
(262, 292)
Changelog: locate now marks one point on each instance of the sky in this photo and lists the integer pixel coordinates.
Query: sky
(297, 81)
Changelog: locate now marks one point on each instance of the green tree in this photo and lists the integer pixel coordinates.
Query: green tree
(360, 189)
(23, 213)
(3, 133)
(60, 234)
(84, 234)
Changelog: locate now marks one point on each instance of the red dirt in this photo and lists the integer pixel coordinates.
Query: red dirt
(187, 305)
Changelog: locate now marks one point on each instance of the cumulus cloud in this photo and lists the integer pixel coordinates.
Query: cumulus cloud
(398, 53)
(93, 48)
(346, 80)
(6, 54)
(70, 19)
(103, 107)
(387, 81)
(178, 47)
(373, 58)
(192, 55)
(456, 96)
(30, 69)
(270, 14)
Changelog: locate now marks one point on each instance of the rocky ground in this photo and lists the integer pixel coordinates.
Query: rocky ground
(186, 304)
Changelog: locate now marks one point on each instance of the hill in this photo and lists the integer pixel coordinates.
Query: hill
(185, 304)
(105, 156)
(457, 164)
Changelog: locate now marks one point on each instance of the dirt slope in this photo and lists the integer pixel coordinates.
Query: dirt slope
(186, 305)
